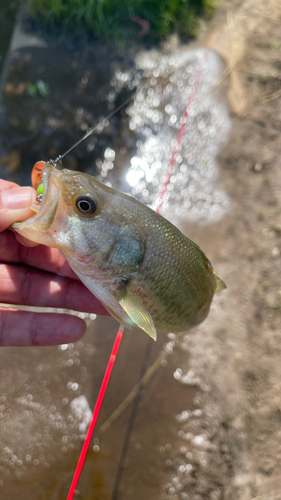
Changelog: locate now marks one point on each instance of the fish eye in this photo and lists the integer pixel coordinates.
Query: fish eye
(85, 205)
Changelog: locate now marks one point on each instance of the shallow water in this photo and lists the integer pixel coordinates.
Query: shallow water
(41, 421)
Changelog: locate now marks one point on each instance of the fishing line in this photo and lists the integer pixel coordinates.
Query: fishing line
(119, 335)
(92, 130)
(96, 411)
(184, 122)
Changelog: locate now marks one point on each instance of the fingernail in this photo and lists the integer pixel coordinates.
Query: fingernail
(17, 198)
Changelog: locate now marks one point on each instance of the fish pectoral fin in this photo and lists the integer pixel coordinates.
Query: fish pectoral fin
(220, 285)
(136, 311)
(118, 318)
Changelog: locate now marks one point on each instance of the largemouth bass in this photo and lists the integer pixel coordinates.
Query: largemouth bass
(140, 266)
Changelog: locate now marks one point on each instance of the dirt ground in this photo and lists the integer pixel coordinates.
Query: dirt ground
(242, 337)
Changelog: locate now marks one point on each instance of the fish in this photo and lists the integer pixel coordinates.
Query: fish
(138, 264)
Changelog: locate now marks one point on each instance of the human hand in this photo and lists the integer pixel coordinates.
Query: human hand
(36, 276)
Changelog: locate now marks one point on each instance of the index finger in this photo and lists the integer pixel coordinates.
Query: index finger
(7, 184)
(15, 204)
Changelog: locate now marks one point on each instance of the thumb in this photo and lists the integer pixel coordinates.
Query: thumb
(15, 205)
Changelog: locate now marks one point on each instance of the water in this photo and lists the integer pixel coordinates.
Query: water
(47, 393)
(7, 20)
(156, 115)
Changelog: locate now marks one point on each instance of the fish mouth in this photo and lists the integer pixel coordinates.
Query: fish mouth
(38, 205)
(38, 227)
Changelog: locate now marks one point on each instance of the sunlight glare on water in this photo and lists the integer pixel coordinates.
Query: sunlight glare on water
(156, 117)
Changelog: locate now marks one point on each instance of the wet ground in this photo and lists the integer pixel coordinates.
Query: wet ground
(207, 423)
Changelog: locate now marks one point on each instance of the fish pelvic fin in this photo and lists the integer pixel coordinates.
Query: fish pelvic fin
(220, 285)
(139, 315)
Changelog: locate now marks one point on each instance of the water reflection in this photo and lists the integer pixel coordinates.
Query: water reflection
(156, 116)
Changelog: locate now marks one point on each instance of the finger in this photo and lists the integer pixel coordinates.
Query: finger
(7, 184)
(25, 242)
(15, 205)
(29, 287)
(41, 257)
(21, 328)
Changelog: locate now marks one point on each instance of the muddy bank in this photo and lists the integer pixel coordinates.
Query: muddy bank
(233, 451)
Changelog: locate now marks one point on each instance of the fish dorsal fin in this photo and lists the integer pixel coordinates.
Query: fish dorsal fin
(140, 316)
(220, 285)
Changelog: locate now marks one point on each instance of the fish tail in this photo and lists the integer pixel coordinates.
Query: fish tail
(220, 285)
